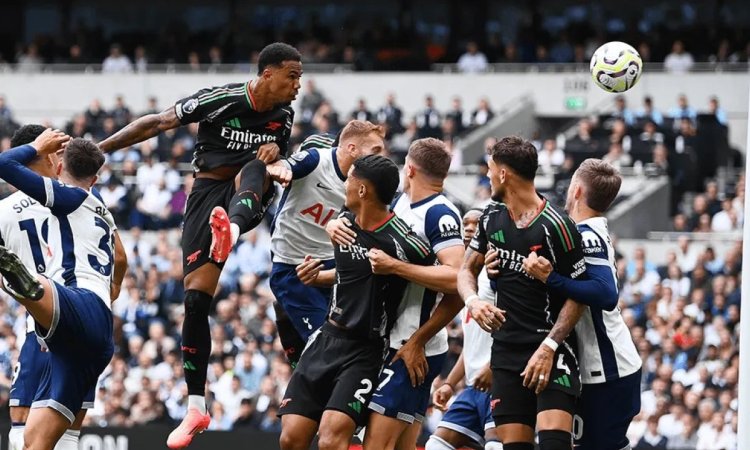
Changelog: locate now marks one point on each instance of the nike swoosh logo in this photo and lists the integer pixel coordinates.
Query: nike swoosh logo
(216, 113)
(323, 186)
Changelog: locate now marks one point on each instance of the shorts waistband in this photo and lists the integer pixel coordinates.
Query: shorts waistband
(333, 330)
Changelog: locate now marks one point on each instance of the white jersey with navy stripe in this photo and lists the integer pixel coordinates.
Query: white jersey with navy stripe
(477, 342)
(313, 197)
(85, 239)
(606, 348)
(24, 230)
(84, 235)
(436, 220)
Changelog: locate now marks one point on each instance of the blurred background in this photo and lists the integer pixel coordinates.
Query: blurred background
(465, 72)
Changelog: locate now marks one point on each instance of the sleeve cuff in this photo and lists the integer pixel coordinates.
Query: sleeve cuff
(554, 279)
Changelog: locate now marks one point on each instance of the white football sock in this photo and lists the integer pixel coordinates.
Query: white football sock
(198, 402)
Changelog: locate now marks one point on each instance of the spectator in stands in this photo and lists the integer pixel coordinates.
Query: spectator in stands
(400, 143)
(361, 113)
(550, 156)
(6, 115)
(617, 156)
(680, 224)
(429, 121)
(712, 198)
(583, 140)
(325, 119)
(473, 60)
(460, 121)
(194, 62)
(215, 59)
(619, 135)
(726, 219)
(220, 421)
(311, 101)
(722, 54)
(717, 111)
(679, 61)
(683, 111)
(650, 136)
(390, 114)
(648, 112)
(30, 61)
(141, 59)
(623, 112)
(95, 116)
(652, 439)
(116, 62)
(247, 418)
(687, 254)
(482, 114)
(75, 55)
(121, 113)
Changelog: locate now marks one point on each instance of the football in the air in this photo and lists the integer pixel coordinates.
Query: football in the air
(616, 66)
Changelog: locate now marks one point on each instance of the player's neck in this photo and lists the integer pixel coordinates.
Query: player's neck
(581, 213)
(521, 199)
(67, 179)
(259, 93)
(343, 160)
(372, 216)
(421, 189)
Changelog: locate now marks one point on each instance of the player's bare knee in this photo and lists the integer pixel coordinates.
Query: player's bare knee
(332, 440)
(287, 441)
(555, 440)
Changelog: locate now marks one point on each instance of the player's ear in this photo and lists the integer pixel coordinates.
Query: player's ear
(94, 180)
(58, 171)
(362, 190)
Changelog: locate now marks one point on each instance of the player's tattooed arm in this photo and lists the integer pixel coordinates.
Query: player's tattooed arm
(141, 129)
(488, 316)
(567, 319)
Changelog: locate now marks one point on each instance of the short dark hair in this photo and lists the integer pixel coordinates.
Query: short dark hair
(381, 172)
(275, 54)
(602, 183)
(431, 156)
(83, 158)
(518, 154)
(26, 134)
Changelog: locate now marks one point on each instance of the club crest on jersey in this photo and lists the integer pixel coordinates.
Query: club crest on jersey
(273, 126)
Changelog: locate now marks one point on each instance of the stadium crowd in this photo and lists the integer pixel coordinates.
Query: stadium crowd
(683, 312)
(399, 40)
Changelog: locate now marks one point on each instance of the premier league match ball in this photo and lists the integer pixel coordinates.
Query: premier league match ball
(616, 66)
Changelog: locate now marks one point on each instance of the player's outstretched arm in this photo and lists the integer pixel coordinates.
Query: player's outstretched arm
(121, 266)
(141, 129)
(600, 290)
(488, 316)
